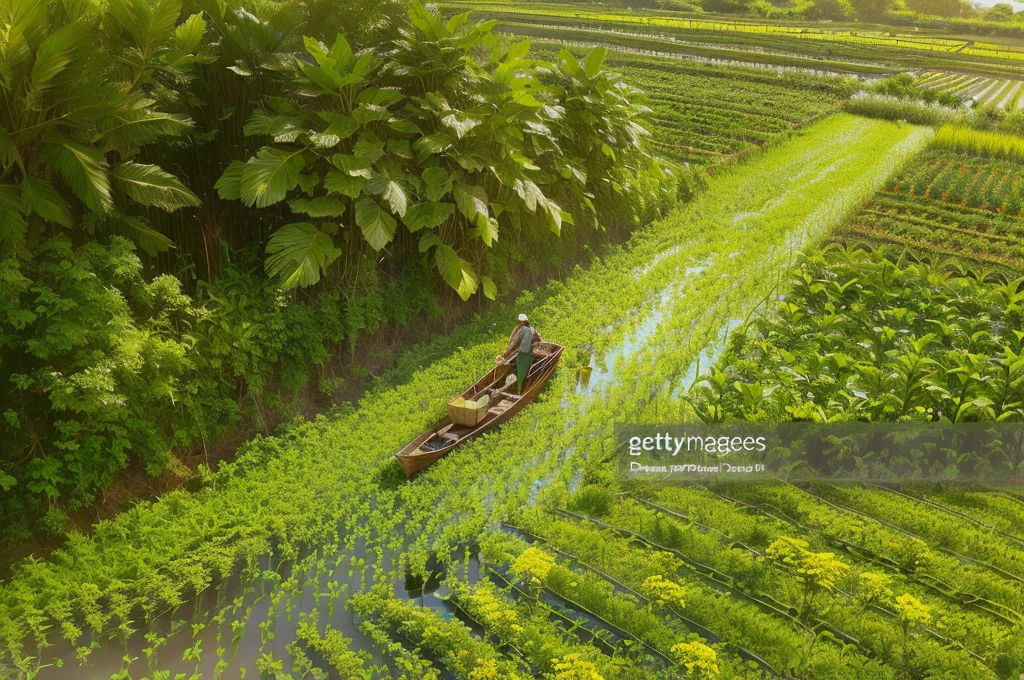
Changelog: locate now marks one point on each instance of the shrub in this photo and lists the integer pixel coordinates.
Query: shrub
(699, 660)
(896, 108)
(108, 369)
(94, 377)
(593, 499)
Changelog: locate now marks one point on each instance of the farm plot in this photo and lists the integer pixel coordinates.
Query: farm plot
(956, 202)
(874, 46)
(706, 114)
(865, 335)
(317, 516)
(985, 91)
(637, 42)
(737, 573)
(851, 339)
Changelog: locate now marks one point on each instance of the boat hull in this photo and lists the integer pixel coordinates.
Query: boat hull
(413, 458)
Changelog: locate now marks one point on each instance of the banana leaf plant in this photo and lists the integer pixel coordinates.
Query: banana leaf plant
(439, 143)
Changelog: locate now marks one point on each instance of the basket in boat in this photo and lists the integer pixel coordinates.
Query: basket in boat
(468, 412)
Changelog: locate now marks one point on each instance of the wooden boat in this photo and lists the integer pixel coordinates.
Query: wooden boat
(492, 401)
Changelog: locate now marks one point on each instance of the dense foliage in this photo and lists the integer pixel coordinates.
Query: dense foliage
(145, 310)
(77, 112)
(860, 336)
(107, 368)
(460, 148)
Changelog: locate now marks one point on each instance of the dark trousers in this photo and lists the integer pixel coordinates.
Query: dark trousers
(523, 367)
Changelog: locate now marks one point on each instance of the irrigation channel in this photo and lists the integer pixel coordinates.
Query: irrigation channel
(326, 497)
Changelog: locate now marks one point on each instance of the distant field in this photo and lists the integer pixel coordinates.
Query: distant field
(639, 42)
(841, 42)
(706, 114)
(1001, 93)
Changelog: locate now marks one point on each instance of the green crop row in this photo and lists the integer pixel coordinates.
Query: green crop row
(922, 234)
(720, 537)
(935, 526)
(882, 541)
(633, 40)
(997, 510)
(967, 180)
(530, 629)
(754, 570)
(625, 613)
(983, 634)
(975, 219)
(448, 641)
(956, 202)
(802, 41)
(783, 644)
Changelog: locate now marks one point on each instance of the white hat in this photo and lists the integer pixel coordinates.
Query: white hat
(522, 317)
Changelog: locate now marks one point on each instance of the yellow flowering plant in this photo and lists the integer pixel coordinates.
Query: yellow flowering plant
(912, 612)
(699, 660)
(533, 565)
(573, 667)
(817, 572)
(663, 591)
(874, 588)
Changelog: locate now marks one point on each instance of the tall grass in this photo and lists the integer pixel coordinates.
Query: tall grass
(894, 108)
(979, 143)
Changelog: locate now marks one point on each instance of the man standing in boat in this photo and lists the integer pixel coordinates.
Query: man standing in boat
(520, 345)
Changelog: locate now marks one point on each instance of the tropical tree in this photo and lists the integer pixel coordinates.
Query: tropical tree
(77, 110)
(458, 137)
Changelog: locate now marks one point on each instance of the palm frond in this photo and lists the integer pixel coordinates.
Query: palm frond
(153, 187)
